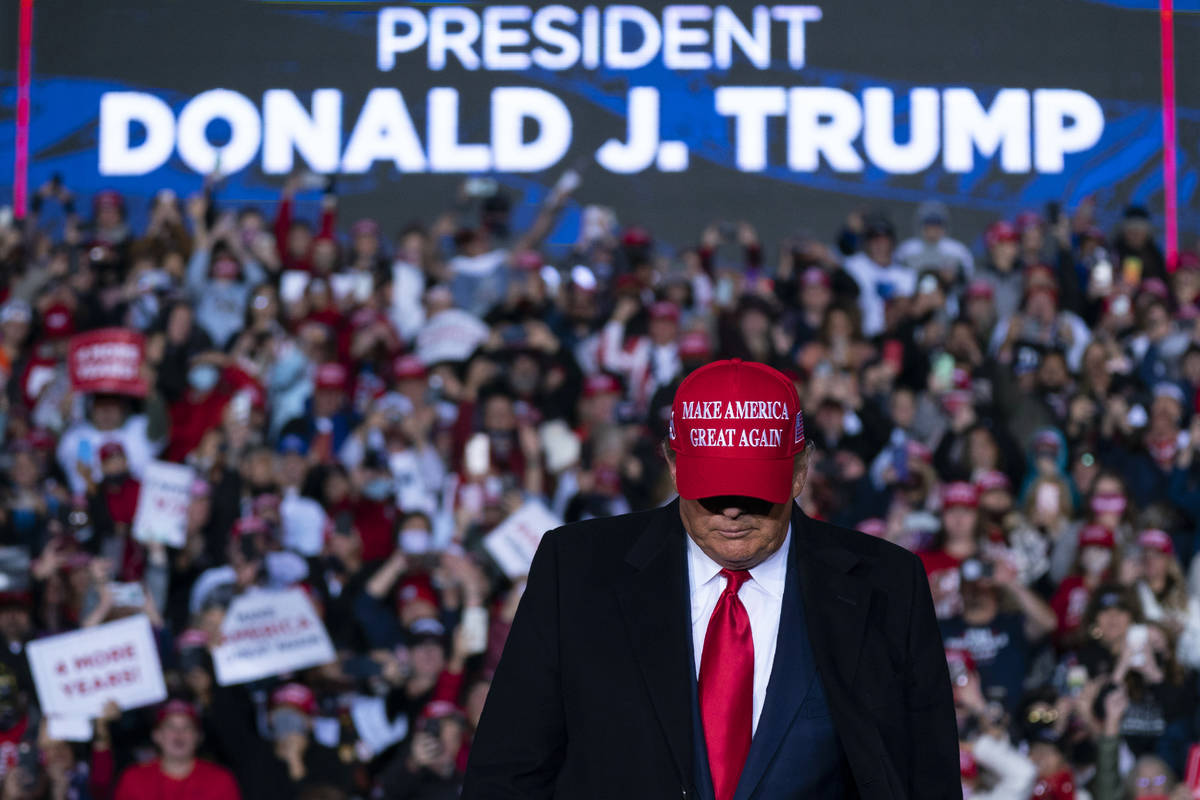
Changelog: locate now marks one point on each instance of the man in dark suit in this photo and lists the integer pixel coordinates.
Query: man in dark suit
(726, 646)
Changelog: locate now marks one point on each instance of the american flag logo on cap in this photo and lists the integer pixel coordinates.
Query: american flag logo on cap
(799, 427)
(671, 425)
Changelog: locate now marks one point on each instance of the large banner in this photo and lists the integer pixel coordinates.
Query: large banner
(676, 115)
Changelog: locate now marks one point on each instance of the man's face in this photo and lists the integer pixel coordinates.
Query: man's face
(738, 532)
(107, 413)
(177, 737)
(879, 249)
(428, 658)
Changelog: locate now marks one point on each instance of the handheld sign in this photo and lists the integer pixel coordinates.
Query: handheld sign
(108, 360)
(77, 673)
(515, 540)
(161, 514)
(268, 633)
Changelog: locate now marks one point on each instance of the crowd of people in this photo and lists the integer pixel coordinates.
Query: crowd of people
(364, 403)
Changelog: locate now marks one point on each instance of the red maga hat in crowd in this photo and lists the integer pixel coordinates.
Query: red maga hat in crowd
(175, 706)
(1096, 536)
(1157, 540)
(331, 375)
(735, 429)
(960, 494)
(296, 695)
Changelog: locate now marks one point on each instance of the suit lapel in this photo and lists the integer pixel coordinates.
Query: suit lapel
(659, 631)
(792, 675)
(836, 602)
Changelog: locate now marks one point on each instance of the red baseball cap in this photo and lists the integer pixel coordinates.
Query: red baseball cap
(959, 494)
(1096, 536)
(175, 706)
(296, 695)
(331, 375)
(601, 383)
(664, 309)
(992, 480)
(1000, 231)
(815, 276)
(58, 321)
(408, 367)
(1156, 539)
(735, 428)
(980, 290)
(695, 344)
(110, 449)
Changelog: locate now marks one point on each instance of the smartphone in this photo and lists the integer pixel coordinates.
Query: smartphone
(1137, 639)
(239, 407)
(481, 187)
(84, 451)
(943, 372)
(893, 353)
(477, 456)
(725, 291)
(1102, 272)
(1047, 500)
(1077, 677)
(475, 629)
(900, 460)
(1131, 270)
(127, 595)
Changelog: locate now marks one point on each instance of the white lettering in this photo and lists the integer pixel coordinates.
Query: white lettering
(567, 45)
(120, 110)
(389, 42)
(496, 37)
(1003, 127)
(676, 37)
(750, 106)
(245, 131)
(823, 121)
(1052, 136)
(384, 131)
(879, 132)
(287, 128)
(511, 106)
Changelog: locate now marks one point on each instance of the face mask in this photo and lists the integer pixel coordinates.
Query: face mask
(415, 540)
(1108, 503)
(378, 488)
(1095, 560)
(203, 378)
(287, 721)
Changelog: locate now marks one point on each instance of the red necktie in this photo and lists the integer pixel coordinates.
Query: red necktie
(726, 686)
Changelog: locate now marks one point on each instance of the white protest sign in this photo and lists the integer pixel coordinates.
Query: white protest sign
(161, 514)
(514, 541)
(69, 729)
(452, 335)
(77, 673)
(268, 633)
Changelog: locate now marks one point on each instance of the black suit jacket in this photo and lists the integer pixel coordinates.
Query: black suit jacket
(591, 698)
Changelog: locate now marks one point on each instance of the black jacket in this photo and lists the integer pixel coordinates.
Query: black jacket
(591, 695)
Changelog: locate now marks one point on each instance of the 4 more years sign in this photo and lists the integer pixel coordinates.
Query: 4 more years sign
(77, 673)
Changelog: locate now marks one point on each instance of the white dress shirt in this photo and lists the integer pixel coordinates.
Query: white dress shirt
(762, 597)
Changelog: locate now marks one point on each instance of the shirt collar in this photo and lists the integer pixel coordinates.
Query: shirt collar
(771, 574)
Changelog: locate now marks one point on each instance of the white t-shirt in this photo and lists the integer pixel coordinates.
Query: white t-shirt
(876, 284)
